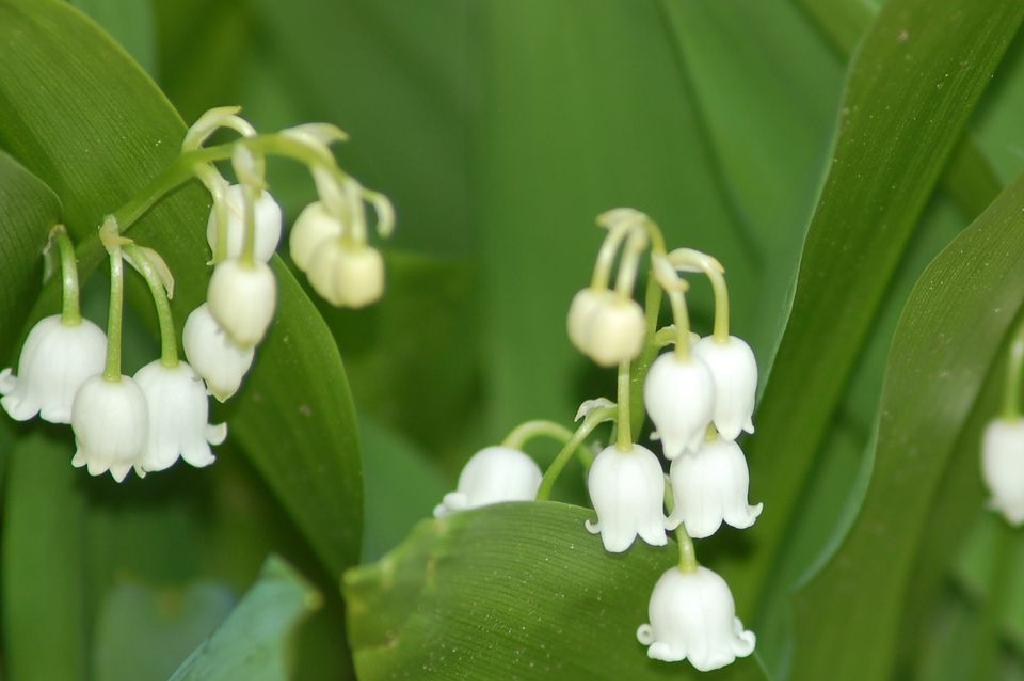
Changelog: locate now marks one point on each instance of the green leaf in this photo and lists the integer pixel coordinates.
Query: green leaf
(402, 486)
(252, 643)
(44, 604)
(509, 591)
(913, 84)
(129, 23)
(143, 633)
(948, 337)
(28, 209)
(96, 135)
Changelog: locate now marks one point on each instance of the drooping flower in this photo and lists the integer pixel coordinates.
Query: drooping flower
(710, 487)
(491, 476)
(55, 361)
(314, 227)
(268, 224)
(627, 489)
(679, 395)
(220, 361)
(734, 370)
(347, 276)
(1002, 467)
(693, 617)
(242, 297)
(584, 304)
(110, 421)
(614, 331)
(178, 413)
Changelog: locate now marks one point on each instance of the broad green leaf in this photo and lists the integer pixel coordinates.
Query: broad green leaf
(45, 631)
(129, 23)
(28, 209)
(913, 84)
(96, 135)
(949, 335)
(509, 591)
(767, 88)
(402, 486)
(253, 643)
(143, 633)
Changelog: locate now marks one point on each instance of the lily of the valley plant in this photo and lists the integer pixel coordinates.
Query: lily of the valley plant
(700, 397)
(69, 371)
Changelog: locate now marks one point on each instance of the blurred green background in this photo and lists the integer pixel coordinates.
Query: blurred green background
(500, 129)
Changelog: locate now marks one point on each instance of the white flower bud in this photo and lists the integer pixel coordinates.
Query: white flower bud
(734, 371)
(710, 487)
(220, 361)
(268, 224)
(693, 616)
(616, 331)
(491, 476)
(679, 396)
(627, 489)
(1002, 467)
(110, 422)
(347, 276)
(55, 361)
(178, 412)
(242, 297)
(314, 227)
(584, 304)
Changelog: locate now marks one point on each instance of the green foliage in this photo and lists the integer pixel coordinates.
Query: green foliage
(830, 152)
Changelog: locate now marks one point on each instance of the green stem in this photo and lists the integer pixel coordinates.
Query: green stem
(681, 318)
(606, 256)
(721, 301)
(518, 436)
(184, 168)
(624, 438)
(995, 607)
(71, 313)
(687, 556)
(1014, 367)
(575, 443)
(652, 308)
(168, 334)
(115, 318)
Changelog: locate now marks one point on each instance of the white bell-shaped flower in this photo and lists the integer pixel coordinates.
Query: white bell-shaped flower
(220, 361)
(710, 487)
(110, 421)
(242, 297)
(55, 361)
(314, 228)
(627, 489)
(679, 395)
(491, 476)
(693, 617)
(734, 370)
(347, 276)
(615, 332)
(268, 224)
(584, 304)
(1002, 467)
(178, 412)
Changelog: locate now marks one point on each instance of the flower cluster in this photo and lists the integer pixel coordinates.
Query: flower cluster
(69, 370)
(700, 397)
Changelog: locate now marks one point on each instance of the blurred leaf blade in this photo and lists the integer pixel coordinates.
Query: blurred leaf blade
(253, 642)
(96, 140)
(949, 335)
(500, 592)
(46, 630)
(872, 198)
(131, 24)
